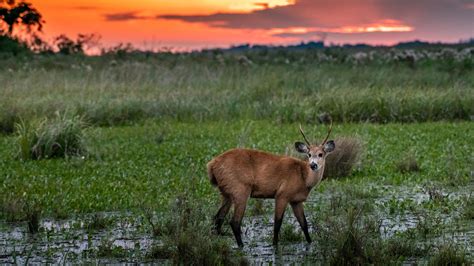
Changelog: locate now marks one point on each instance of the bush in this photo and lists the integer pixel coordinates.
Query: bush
(12, 47)
(342, 160)
(61, 136)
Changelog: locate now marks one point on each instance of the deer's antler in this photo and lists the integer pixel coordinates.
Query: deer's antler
(329, 132)
(304, 136)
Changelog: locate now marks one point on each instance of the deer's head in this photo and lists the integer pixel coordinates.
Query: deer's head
(316, 153)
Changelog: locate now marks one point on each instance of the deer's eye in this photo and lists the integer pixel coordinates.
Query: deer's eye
(309, 155)
(320, 155)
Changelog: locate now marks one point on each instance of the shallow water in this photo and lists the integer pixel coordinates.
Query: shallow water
(70, 240)
(65, 240)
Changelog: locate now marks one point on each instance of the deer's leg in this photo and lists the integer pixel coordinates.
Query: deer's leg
(299, 214)
(280, 206)
(240, 204)
(220, 216)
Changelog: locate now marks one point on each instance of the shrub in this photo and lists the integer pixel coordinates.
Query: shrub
(12, 47)
(61, 136)
(342, 160)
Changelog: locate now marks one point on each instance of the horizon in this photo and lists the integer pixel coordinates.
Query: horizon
(182, 26)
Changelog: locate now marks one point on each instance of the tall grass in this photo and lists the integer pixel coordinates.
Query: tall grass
(195, 88)
(344, 158)
(60, 136)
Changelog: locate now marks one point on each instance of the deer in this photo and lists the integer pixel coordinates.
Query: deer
(243, 173)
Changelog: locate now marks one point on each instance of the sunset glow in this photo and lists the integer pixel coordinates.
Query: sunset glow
(383, 26)
(185, 25)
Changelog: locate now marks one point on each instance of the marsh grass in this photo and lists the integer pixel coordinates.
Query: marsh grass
(61, 136)
(449, 254)
(290, 234)
(351, 239)
(468, 211)
(9, 116)
(185, 232)
(99, 222)
(256, 207)
(187, 237)
(33, 216)
(22, 210)
(185, 89)
(354, 238)
(106, 249)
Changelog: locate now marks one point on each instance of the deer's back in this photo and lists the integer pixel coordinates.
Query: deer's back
(261, 172)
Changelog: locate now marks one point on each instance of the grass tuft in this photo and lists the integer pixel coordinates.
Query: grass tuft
(61, 136)
(289, 234)
(342, 160)
(33, 215)
(350, 240)
(107, 249)
(99, 222)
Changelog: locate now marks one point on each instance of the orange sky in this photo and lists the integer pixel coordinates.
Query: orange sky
(181, 24)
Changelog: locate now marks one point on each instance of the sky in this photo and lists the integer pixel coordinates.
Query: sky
(189, 25)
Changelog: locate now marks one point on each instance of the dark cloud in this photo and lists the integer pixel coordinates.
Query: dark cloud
(310, 35)
(124, 16)
(263, 5)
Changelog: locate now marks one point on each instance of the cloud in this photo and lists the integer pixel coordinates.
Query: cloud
(124, 16)
(85, 7)
(339, 16)
(303, 13)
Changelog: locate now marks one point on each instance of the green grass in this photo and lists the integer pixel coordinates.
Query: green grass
(151, 170)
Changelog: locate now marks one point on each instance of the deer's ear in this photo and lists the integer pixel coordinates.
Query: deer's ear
(301, 147)
(329, 146)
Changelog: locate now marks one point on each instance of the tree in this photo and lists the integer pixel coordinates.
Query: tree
(83, 43)
(23, 14)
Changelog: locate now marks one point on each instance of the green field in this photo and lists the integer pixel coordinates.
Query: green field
(140, 191)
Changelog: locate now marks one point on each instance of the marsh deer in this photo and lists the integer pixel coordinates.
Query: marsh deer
(243, 173)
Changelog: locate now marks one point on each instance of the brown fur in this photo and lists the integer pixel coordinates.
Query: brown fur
(243, 173)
